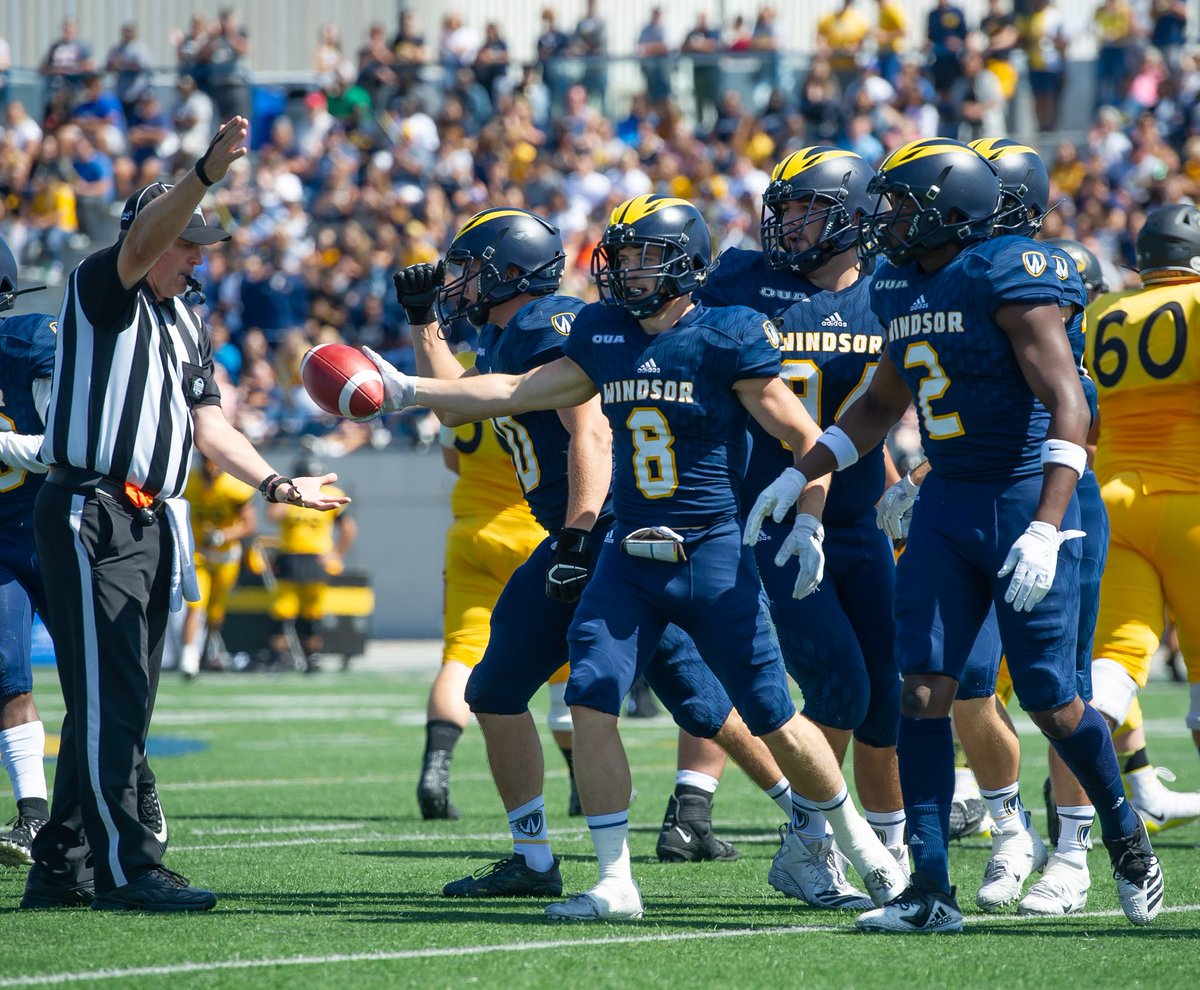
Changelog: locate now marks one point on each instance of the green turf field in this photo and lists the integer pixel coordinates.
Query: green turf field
(293, 799)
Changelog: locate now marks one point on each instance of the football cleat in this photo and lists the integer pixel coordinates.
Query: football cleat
(813, 872)
(1138, 874)
(507, 878)
(150, 812)
(433, 789)
(1160, 807)
(15, 844)
(921, 910)
(686, 835)
(610, 901)
(1063, 889)
(1015, 857)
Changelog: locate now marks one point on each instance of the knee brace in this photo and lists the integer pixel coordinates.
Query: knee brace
(559, 716)
(1113, 690)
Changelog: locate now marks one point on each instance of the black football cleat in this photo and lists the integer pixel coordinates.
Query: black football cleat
(433, 789)
(508, 878)
(44, 889)
(156, 890)
(687, 835)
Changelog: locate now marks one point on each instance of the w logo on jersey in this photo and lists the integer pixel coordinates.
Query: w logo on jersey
(1062, 268)
(774, 337)
(1034, 262)
(561, 323)
(531, 825)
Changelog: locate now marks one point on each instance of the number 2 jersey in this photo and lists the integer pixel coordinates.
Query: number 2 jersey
(679, 429)
(979, 419)
(1144, 354)
(26, 355)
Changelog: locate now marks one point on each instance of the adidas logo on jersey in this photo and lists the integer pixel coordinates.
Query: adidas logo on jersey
(918, 303)
(834, 319)
(649, 368)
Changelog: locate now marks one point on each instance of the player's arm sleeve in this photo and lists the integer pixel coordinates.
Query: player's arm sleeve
(756, 354)
(1023, 272)
(99, 293)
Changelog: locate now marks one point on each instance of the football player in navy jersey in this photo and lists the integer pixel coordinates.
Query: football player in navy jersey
(501, 272)
(976, 338)
(837, 640)
(26, 365)
(676, 382)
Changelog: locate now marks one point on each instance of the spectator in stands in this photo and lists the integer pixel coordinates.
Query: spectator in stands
(821, 102)
(92, 184)
(840, 37)
(225, 75)
(946, 36)
(5, 66)
(891, 32)
(976, 101)
(63, 66)
(552, 45)
(188, 47)
(99, 114)
(458, 44)
(1143, 91)
(329, 59)
(51, 219)
(149, 128)
(765, 42)
(1169, 33)
(704, 42)
(999, 28)
(130, 61)
(491, 63)
(375, 72)
(1113, 26)
(1044, 38)
(408, 45)
(193, 119)
(591, 44)
(652, 52)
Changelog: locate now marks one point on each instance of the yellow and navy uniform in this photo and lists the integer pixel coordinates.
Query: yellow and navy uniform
(305, 539)
(493, 534)
(1145, 358)
(215, 505)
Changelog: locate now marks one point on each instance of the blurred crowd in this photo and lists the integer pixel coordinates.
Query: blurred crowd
(403, 135)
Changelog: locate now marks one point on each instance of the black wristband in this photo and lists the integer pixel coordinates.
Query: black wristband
(270, 485)
(573, 540)
(201, 174)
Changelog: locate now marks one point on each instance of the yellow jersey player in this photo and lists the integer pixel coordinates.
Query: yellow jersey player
(222, 516)
(1145, 357)
(307, 555)
(493, 533)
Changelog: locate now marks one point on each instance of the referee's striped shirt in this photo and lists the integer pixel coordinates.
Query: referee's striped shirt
(127, 373)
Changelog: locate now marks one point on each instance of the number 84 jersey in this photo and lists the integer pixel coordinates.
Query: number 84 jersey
(979, 419)
(679, 429)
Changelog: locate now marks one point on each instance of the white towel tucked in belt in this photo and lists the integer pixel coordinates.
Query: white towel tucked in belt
(183, 554)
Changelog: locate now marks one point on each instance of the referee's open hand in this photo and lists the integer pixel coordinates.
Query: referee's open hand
(228, 145)
(311, 496)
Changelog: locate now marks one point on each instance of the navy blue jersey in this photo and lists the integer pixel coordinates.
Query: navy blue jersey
(830, 347)
(26, 354)
(679, 430)
(536, 441)
(1073, 291)
(979, 418)
(742, 278)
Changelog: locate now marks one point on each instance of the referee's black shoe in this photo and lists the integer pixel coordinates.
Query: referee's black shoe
(44, 889)
(158, 889)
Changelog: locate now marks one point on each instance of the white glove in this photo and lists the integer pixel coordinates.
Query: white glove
(804, 541)
(1033, 560)
(779, 496)
(893, 512)
(399, 389)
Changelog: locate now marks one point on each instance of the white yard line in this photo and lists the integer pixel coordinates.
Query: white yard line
(53, 979)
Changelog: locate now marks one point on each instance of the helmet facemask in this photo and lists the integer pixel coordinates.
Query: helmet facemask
(661, 272)
(492, 287)
(778, 233)
(902, 227)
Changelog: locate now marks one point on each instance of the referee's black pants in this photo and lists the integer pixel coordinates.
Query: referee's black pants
(107, 575)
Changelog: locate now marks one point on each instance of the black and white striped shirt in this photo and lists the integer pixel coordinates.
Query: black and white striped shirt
(127, 373)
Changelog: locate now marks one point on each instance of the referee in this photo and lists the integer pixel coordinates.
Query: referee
(132, 391)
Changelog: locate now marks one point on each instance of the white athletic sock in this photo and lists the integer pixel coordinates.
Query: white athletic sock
(24, 749)
(189, 658)
(610, 836)
(694, 778)
(1004, 805)
(808, 821)
(530, 836)
(856, 839)
(887, 825)
(781, 794)
(1074, 828)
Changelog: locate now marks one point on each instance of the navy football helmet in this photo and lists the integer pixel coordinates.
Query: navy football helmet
(506, 251)
(930, 193)
(1088, 264)
(676, 254)
(1168, 245)
(834, 182)
(1024, 184)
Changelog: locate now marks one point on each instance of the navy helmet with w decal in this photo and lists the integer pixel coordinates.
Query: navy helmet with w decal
(1088, 264)
(675, 254)
(832, 183)
(931, 193)
(1024, 185)
(505, 252)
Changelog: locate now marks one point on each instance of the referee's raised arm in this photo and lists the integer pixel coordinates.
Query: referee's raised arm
(156, 227)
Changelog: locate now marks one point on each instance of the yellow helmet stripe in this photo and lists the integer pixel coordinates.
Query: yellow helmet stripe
(987, 148)
(485, 217)
(806, 158)
(916, 150)
(633, 210)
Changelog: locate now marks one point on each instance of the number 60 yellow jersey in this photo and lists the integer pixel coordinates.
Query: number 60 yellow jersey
(1144, 354)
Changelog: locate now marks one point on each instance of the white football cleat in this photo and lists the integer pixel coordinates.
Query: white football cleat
(1063, 889)
(921, 910)
(604, 902)
(1139, 876)
(1015, 857)
(1159, 806)
(812, 872)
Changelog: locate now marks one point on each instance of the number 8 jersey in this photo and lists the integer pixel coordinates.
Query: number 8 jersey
(679, 430)
(979, 419)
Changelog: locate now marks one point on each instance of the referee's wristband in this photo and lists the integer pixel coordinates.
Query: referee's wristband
(269, 487)
(201, 174)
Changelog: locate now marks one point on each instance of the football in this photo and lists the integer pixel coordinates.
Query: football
(342, 380)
